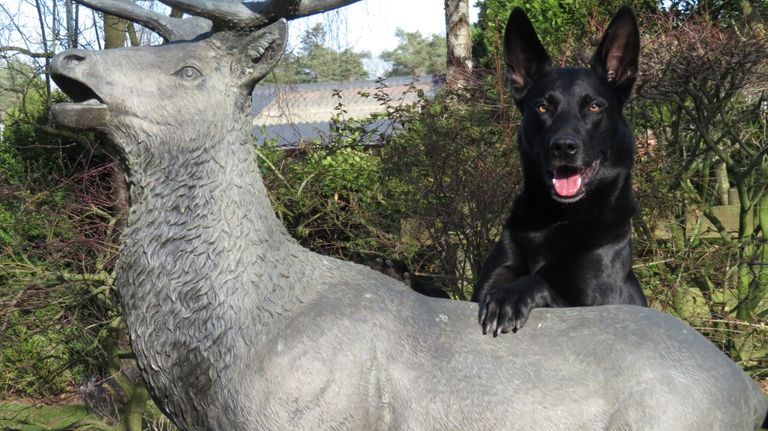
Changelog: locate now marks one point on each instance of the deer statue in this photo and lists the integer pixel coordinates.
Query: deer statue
(236, 327)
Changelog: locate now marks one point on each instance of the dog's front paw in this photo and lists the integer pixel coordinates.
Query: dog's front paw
(505, 307)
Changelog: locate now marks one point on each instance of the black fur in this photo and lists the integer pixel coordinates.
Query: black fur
(567, 241)
(398, 270)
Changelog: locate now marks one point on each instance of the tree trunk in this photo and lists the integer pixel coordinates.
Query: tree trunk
(41, 21)
(114, 32)
(71, 24)
(746, 253)
(132, 412)
(723, 185)
(459, 40)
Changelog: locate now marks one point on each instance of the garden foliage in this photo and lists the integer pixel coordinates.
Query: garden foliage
(448, 172)
(431, 184)
(44, 348)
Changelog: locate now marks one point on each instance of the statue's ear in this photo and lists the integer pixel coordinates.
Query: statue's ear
(259, 53)
(616, 58)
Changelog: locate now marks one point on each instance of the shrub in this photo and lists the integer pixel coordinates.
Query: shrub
(431, 186)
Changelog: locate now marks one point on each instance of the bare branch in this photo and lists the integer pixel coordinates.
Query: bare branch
(756, 161)
(167, 27)
(26, 52)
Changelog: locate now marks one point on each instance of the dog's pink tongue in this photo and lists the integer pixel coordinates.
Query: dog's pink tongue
(567, 182)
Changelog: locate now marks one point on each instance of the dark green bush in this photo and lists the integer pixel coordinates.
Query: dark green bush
(432, 189)
(701, 176)
(43, 352)
(55, 253)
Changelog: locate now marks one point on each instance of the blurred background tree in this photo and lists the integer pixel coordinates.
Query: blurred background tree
(416, 55)
(315, 61)
(567, 27)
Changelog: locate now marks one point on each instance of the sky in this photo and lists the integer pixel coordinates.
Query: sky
(368, 25)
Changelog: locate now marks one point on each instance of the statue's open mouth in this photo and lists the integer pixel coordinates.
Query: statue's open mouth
(87, 109)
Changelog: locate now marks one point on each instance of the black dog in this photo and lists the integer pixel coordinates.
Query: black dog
(567, 241)
(398, 270)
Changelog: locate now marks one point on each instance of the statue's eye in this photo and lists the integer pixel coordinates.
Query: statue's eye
(189, 73)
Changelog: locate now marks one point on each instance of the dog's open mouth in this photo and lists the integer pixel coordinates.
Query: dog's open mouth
(568, 181)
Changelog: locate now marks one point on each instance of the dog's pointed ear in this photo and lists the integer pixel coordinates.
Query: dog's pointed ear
(524, 54)
(617, 56)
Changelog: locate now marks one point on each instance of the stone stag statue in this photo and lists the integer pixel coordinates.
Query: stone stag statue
(236, 327)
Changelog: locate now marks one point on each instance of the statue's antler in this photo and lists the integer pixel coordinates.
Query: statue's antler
(231, 14)
(169, 28)
(213, 15)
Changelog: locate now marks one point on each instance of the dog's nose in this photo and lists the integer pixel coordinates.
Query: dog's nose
(564, 147)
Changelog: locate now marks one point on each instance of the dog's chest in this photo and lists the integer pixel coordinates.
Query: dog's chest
(534, 246)
(555, 245)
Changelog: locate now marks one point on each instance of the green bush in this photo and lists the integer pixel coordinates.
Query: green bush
(53, 252)
(432, 189)
(562, 25)
(42, 354)
(701, 249)
(333, 199)
(457, 155)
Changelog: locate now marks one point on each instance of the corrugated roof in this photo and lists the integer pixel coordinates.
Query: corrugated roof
(294, 113)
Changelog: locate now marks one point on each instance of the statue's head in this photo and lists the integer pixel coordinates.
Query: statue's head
(182, 89)
(197, 85)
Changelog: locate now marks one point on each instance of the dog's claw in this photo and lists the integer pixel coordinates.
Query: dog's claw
(491, 316)
(499, 330)
(505, 308)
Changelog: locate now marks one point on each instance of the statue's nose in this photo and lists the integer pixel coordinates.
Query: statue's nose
(68, 59)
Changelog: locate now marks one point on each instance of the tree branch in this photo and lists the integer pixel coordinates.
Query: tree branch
(756, 161)
(26, 52)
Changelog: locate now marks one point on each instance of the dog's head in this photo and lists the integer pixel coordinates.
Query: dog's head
(573, 130)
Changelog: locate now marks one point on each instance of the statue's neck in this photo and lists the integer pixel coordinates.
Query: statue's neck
(213, 188)
(204, 262)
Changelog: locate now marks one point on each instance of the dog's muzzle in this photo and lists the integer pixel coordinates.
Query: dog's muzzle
(568, 182)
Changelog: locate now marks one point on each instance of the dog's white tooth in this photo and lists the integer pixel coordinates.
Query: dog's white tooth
(579, 181)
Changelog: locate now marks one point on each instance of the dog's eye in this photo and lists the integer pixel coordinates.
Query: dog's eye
(542, 108)
(595, 107)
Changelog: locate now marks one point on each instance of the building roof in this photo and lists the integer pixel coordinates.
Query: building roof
(295, 113)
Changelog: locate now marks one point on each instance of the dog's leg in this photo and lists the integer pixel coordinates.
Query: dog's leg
(505, 304)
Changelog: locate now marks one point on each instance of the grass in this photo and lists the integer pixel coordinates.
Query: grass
(21, 416)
